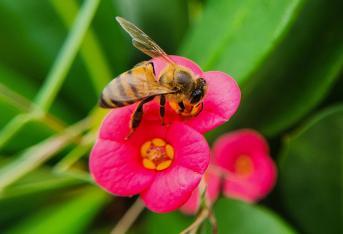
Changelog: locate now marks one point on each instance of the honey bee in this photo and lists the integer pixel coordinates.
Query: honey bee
(176, 84)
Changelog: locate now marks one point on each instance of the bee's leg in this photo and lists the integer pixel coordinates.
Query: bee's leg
(137, 116)
(162, 107)
(182, 107)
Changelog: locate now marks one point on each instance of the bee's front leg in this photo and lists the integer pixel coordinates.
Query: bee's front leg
(182, 107)
(162, 107)
(137, 116)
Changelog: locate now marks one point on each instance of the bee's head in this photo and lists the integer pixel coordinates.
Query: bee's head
(199, 91)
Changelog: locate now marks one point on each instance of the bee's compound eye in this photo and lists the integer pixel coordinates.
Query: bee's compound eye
(196, 96)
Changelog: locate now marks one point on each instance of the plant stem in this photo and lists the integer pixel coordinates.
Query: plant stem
(129, 218)
(205, 213)
(76, 153)
(66, 55)
(31, 112)
(202, 216)
(90, 51)
(14, 126)
(36, 155)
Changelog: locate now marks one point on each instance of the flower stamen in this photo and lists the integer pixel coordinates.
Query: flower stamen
(243, 165)
(157, 154)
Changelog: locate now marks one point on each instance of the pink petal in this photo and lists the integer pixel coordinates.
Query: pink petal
(257, 185)
(192, 204)
(213, 185)
(191, 148)
(232, 145)
(170, 189)
(212, 191)
(247, 142)
(115, 126)
(116, 168)
(220, 103)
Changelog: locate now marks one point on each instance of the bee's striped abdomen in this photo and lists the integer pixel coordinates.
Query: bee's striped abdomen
(126, 89)
(132, 86)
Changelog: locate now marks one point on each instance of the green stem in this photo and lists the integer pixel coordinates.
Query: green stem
(14, 126)
(36, 155)
(91, 51)
(66, 56)
(14, 99)
(76, 153)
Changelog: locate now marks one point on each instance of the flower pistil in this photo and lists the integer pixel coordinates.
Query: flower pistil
(157, 154)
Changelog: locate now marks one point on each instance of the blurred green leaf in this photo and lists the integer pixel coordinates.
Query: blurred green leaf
(237, 217)
(59, 70)
(164, 21)
(36, 155)
(37, 37)
(236, 36)
(71, 216)
(30, 192)
(233, 217)
(298, 74)
(311, 173)
(113, 41)
(169, 223)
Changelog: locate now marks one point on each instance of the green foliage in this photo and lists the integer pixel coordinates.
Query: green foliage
(56, 56)
(310, 173)
(71, 217)
(232, 216)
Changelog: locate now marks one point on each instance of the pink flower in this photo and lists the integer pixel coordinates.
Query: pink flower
(163, 164)
(220, 102)
(244, 157)
(212, 182)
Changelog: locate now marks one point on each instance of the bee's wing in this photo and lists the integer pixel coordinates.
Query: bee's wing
(142, 41)
(129, 88)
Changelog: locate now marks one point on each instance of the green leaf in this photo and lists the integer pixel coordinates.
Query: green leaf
(311, 173)
(26, 33)
(164, 21)
(233, 216)
(298, 74)
(38, 154)
(30, 192)
(157, 223)
(71, 216)
(235, 36)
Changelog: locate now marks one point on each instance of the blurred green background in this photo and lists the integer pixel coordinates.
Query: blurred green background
(57, 55)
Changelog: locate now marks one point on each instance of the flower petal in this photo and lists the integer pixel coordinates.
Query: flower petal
(242, 142)
(257, 185)
(248, 143)
(192, 204)
(170, 189)
(116, 124)
(191, 148)
(117, 169)
(213, 185)
(212, 191)
(220, 103)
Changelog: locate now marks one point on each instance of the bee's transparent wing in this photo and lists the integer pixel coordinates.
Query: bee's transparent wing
(142, 41)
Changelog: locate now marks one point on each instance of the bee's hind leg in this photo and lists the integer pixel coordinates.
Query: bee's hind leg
(137, 116)
(162, 107)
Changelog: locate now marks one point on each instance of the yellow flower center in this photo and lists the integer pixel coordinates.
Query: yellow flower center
(243, 165)
(157, 154)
